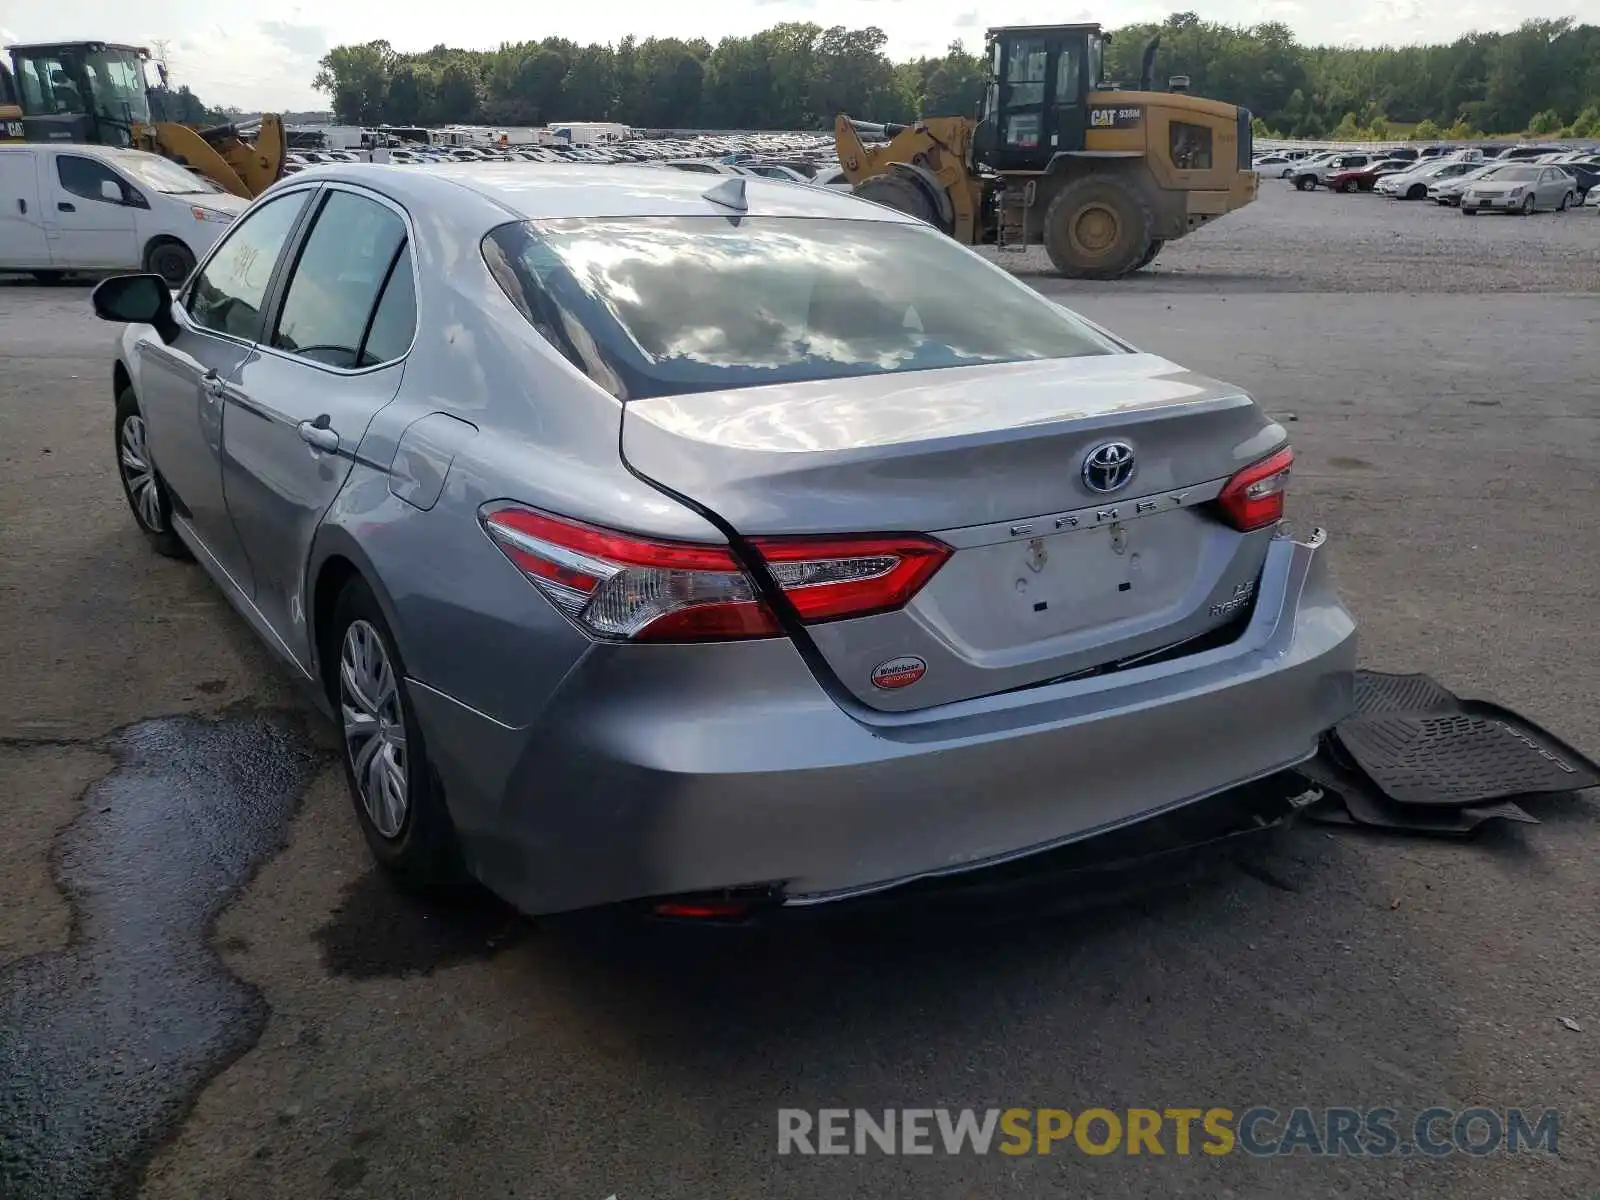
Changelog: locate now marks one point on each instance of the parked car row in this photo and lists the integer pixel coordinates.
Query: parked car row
(791, 158)
(775, 155)
(1523, 179)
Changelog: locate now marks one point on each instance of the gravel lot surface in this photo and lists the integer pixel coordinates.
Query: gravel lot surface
(1289, 241)
(355, 1044)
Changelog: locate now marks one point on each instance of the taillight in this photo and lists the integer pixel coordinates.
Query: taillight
(618, 585)
(1254, 497)
(833, 577)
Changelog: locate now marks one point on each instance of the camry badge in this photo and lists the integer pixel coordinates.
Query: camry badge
(898, 672)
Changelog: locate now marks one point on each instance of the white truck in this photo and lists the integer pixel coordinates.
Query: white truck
(590, 133)
(67, 208)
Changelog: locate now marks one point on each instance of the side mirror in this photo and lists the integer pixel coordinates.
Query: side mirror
(111, 190)
(1178, 83)
(136, 300)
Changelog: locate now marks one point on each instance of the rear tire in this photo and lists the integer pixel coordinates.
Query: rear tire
(141, 482)
(1098, 227)
(1306, 182)
(397, 798)
(1565, 200)
(1351, 186)
(901, 193)
(170, 259)
(1150, 255)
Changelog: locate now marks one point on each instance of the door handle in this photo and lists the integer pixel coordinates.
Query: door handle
(211, 383)
(22, 205)
(65, 207)
(318, 435)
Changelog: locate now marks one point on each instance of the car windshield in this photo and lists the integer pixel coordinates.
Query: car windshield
(650, 306)
(164, 175)
(1517, 174)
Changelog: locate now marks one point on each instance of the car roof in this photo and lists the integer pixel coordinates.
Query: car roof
(547, 191)
(87, 150)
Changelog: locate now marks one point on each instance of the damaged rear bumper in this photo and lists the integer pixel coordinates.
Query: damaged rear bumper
(658, 775)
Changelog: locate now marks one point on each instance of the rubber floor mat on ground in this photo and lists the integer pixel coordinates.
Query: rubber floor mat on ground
(1478, 755)
(1352, 800)
(1418, 758)
(1381, 692)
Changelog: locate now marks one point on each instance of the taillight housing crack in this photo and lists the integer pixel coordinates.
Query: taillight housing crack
(621, 586)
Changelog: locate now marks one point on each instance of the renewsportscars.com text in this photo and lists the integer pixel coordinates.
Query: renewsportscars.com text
(1260, 1132)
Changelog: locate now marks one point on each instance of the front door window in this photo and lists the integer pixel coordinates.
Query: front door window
(229, 290)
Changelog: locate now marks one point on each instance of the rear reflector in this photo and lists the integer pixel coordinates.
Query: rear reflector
(1254, 497)
(621, 586)
(702, 910)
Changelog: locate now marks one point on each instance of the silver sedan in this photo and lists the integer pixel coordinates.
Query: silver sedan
(654, 534)
(1521, 189)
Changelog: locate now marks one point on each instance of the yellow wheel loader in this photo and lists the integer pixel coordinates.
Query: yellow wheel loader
(1102, 178)
(10, 110)
(102, 93)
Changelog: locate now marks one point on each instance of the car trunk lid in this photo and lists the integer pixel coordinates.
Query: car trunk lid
(1048, 576)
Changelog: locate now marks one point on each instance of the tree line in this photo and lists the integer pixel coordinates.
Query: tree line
(1544, 77)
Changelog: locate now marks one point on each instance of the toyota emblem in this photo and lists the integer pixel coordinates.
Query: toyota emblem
(1108, 467)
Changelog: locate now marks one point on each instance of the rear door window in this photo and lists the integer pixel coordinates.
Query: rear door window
(328, 306)
(228, 293)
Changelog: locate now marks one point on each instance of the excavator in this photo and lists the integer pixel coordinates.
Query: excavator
(1102, 177)
(103, 93)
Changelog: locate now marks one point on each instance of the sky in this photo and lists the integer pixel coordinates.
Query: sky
(260, 57)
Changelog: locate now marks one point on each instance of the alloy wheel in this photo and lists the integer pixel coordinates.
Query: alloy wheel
(138, 476)
(374, 727)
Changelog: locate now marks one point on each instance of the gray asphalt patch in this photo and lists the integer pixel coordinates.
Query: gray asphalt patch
(103, 1044)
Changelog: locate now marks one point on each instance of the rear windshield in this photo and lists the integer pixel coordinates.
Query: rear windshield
(653, 306)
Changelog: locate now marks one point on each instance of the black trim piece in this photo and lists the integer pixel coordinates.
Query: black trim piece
(288, 262)
(1212, 639)
(1246, 140)
(377, 303)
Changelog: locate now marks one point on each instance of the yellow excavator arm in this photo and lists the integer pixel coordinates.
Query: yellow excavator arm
(935, 155)
(245, 168)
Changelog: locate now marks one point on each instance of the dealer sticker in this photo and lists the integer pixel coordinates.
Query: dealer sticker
(898, 672)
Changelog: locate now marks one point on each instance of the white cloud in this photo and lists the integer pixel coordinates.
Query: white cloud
(236, 52)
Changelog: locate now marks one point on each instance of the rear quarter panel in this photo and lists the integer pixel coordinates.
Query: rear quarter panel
(469, 624)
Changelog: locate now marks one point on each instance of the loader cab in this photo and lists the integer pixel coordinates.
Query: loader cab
(10, 110)
(82, 91)
(1037, 102)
